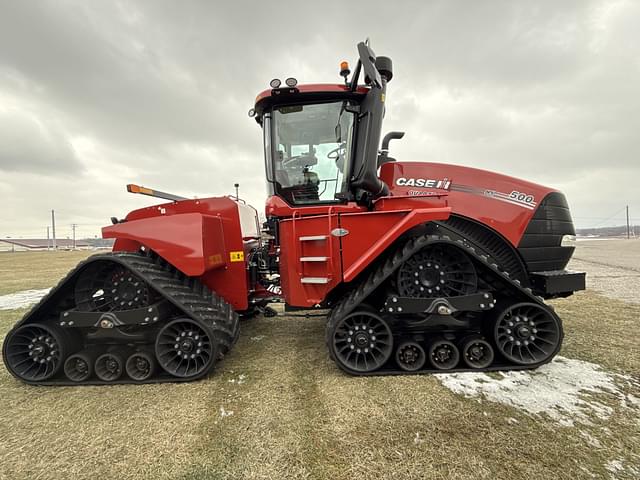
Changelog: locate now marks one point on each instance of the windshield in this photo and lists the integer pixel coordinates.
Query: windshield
(311, 150)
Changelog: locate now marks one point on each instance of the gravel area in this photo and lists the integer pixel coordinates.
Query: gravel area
(612, 266)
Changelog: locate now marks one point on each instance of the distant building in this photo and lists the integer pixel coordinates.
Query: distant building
(27, 244)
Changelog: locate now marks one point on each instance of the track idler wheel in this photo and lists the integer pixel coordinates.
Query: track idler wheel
(410, 356)
(443, 354)
(79, 367)
(362, 341)
(477, 353)
(34, 352)
(109, 366)
(184, 348)
(527, 333)
(140, 366)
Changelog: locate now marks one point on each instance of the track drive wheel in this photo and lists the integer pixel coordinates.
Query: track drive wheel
(528, 333)
(438, 270)
(34, 352)
(184, 348)
(361, 342)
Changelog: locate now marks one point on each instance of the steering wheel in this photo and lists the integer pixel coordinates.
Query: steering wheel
(300, 161)
(337, 155)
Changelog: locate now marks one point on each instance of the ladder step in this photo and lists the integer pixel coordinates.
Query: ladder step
(314, 259)
(317, 280)
(311, 238)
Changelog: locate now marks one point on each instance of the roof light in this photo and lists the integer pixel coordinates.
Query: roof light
(275, 83)
(291, 82)
(344, 70)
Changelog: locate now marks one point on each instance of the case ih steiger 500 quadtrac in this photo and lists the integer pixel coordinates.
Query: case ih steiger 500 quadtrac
(423, 267)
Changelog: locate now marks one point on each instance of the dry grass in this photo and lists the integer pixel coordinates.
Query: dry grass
(27, 270)
(296, 416)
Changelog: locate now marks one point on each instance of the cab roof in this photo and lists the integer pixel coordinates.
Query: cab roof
(306, 93)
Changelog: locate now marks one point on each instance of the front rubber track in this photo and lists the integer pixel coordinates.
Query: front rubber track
(439, 234)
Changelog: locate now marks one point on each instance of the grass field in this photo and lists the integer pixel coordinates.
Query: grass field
(277, 407)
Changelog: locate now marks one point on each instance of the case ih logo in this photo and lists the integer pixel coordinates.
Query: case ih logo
(443, 184)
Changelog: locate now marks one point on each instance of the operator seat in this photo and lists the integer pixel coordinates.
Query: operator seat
(306, 191)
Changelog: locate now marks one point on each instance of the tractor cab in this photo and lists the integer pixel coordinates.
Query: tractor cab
(321, 141)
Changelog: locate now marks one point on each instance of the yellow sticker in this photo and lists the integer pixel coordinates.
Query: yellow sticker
(236, 256)
(382, 97)
(213, 259)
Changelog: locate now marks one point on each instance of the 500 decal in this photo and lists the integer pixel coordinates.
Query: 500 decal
(515, 197)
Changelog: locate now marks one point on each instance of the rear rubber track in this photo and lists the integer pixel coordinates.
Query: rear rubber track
(188, 295)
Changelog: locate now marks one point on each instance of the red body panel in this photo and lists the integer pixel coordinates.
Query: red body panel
(504, 203)
(202, 238)
(310, 252)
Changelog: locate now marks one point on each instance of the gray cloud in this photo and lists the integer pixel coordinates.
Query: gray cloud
(157, 93)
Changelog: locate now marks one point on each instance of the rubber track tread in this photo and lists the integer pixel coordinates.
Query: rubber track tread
(187, 294)
(441, 235)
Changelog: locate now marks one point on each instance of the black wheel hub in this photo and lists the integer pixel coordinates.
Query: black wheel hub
(410, 356)
(33, 352)
(184, 348)
(108, 287)
(443, 354)
(477, 353)
(527, 333)
(439, 270)
(362, 341)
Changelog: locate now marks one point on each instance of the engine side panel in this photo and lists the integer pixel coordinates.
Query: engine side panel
(506, 204)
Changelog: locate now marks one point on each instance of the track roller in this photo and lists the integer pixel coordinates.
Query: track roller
(79, 367)
(140, 366)
(410, 356)
(184, 347)
(443, 354)
(34, 352)
(527, 333)
(109, 366)
(477, 353)
(362, 341)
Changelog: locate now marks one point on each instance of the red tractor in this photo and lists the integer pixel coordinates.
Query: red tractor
(423, 267)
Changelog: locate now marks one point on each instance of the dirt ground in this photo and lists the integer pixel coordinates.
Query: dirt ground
(613, 267)
(277, 407)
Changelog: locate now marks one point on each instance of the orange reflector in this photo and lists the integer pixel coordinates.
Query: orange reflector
(132, 188)
(344, 66)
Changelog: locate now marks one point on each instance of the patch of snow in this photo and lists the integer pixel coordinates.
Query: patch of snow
(225, 413)
(240, 380)
(417, 440)
(614, 466)
(22, 299)
(590, 439)
(563, 389)
(258, 338)
(512, 421)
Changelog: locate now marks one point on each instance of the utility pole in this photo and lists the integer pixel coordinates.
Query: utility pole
(53, 227)
(48, 246)
(73, 227)
(628, 232)
(237, 185)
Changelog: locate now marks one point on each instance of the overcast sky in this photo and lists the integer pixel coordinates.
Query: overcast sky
(95, 95)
